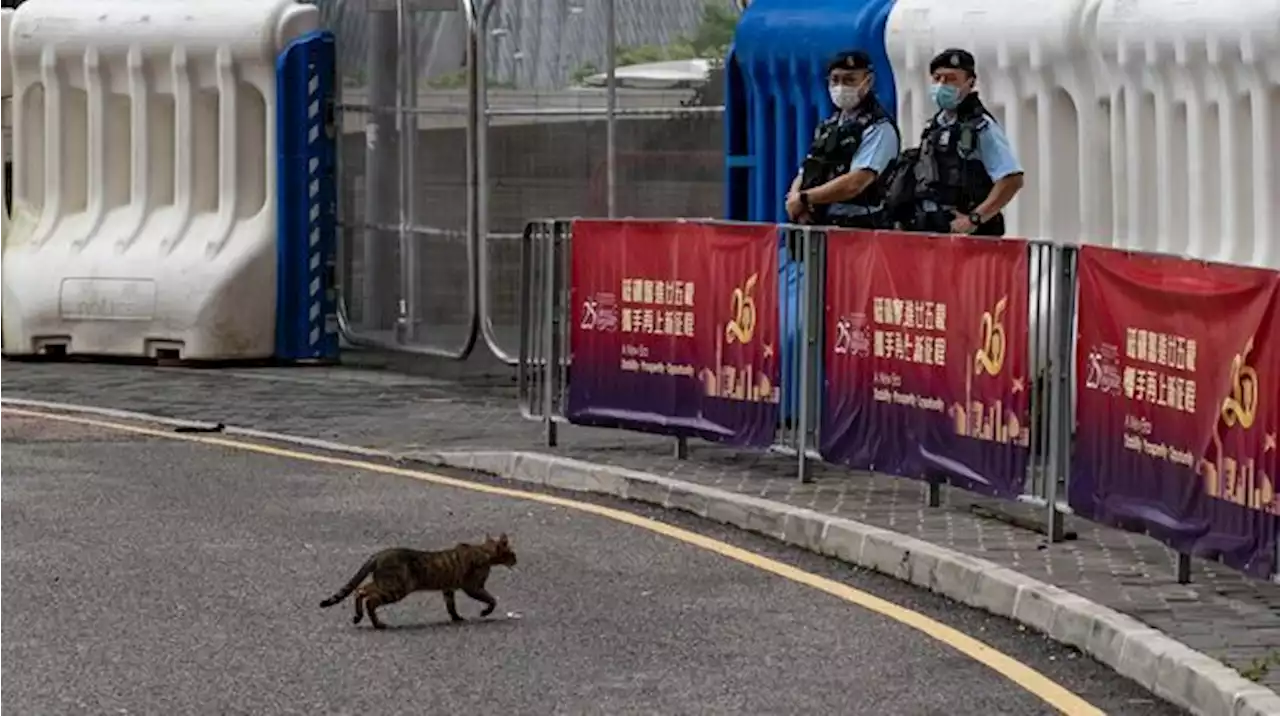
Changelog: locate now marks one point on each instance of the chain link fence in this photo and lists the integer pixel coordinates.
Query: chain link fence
(463, 119)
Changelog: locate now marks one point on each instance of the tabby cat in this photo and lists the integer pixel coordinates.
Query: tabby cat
(399, 571)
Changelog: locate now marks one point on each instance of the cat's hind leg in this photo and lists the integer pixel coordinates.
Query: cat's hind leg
(380, 594)
(481, 595)
(376, 598)
(359, 600)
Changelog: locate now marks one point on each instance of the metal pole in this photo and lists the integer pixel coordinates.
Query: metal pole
(805, 353)
(611, 121)
(1053, 393)
(480, 72)
(550, 355)
(1066, 381)
(381, 172)
(407, 123)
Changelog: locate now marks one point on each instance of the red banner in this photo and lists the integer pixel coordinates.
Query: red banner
(1178, 403)
(676, 328)
(926, 357)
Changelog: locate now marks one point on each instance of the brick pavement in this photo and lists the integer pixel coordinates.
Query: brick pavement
(1225, 615)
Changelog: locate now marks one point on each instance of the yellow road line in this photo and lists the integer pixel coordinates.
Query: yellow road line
(1019, 673)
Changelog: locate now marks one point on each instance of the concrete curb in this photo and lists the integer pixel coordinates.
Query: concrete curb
(1162, 665)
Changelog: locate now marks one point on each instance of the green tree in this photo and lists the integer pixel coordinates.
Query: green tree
(715, 33)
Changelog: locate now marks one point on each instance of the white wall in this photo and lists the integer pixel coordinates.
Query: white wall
(1141, 123)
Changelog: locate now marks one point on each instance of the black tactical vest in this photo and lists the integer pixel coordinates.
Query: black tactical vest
(832, 151)
(950, 171)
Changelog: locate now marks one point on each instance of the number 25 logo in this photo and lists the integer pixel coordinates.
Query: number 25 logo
(990, 357)
(844, 336)
(743, 325)
(589, 314)
(1093, 371)
(1242, 405)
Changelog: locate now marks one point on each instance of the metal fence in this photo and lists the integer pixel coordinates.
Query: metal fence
(545, 360)
(462, 118)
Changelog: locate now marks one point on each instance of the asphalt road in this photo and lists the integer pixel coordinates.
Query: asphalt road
(152, 576)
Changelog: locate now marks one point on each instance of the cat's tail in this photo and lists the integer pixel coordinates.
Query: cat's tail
(350, 586)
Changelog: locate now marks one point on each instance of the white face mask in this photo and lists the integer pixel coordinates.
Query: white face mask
(846, 98)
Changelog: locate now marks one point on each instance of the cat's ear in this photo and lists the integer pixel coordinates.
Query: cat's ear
(488, 537)
(502, 538)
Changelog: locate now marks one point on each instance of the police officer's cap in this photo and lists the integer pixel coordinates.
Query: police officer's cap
(850, 60)
(956, 59)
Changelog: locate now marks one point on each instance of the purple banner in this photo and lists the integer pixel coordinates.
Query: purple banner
(676, 328)
(1178, 404)
(926, 358)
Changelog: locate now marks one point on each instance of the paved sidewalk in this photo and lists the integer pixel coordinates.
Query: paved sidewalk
(1222, 614)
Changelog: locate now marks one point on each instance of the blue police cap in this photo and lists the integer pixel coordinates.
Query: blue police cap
(850, 60)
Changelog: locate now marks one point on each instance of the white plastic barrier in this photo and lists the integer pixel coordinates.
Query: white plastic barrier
(144, 216)
(1194, 89)
(1032, 76)
(1141, 123)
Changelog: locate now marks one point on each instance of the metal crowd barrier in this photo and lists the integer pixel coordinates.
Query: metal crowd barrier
(1052, 274)
(553, 320)
(542, 372)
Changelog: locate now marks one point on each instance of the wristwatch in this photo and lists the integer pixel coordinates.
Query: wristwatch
(975, 218)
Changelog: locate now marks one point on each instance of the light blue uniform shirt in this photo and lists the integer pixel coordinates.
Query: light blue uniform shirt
(879, 147)
(994, 149)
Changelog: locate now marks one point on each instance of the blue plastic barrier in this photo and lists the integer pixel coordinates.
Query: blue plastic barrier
(306, 161)
(775, 95)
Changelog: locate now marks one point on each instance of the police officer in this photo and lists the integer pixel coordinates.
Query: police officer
(966, 172)
(839, 180)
